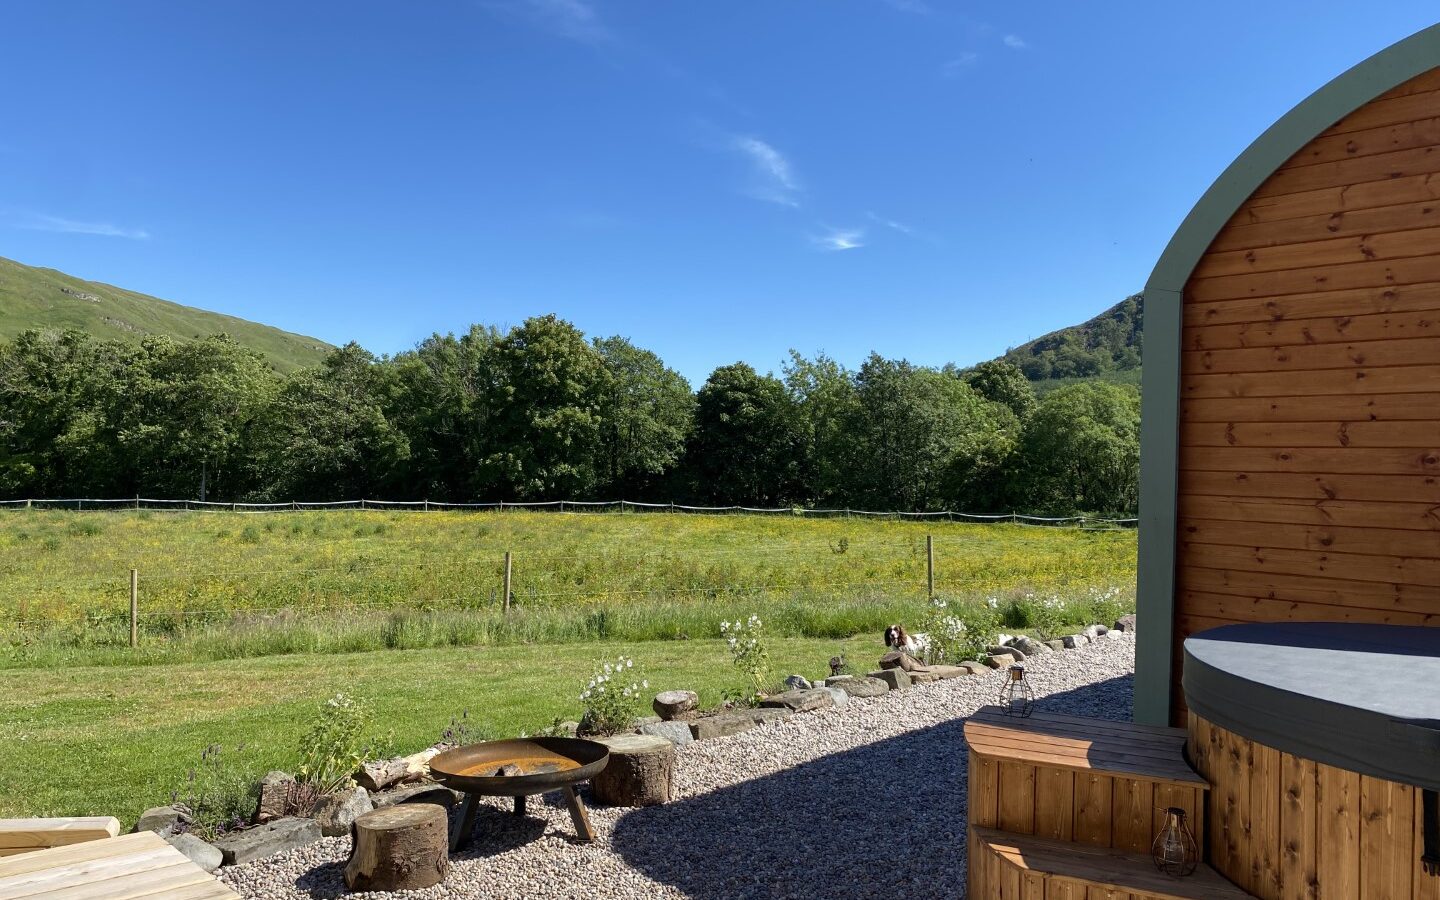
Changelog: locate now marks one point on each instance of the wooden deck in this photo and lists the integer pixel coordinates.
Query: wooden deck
(134, 866)
(28, 835)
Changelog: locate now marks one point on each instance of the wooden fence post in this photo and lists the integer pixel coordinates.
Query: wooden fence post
(506, 596)
(134, 608)
(929, 567)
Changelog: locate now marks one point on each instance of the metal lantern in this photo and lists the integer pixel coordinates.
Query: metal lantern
(1175, 851)
(1017, 698)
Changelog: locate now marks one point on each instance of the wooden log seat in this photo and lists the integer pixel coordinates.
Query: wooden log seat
(24, 835)
(1022, 867)
(641, 771)
(399, 848)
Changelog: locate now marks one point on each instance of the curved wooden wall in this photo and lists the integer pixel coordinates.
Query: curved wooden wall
(1283, 827)
(1309, 484)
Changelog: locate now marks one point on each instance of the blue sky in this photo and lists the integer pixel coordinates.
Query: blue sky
(716, 181)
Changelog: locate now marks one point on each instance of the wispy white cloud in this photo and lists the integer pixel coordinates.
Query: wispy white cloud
(890, 223)
(574, 20)
(1015, 42)
(43, 222)
(775, 179)
(840, 239)
(954, 68)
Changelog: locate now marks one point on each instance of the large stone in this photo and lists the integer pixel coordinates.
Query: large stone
(764, 715)
(677, 733)
(336, 812)
(864, 686)
(925, 677)
(1055, 644)
(894, 679)
(1028, 645)
(720, 725)
(206, 856)
(949, 671)
(1126, 623)
(671, 705)
(800, 701)
(569, 728)
(268, 839)
(1093, 631)
(163, 820)
(1014, 653)
(1073, 641)
(415, 793)
(974, 667)
(274, 796)
(836, 679)
(1000, 660)
(837, 696)
(797, 683)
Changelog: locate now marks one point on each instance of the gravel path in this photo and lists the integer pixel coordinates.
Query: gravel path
(853, 802)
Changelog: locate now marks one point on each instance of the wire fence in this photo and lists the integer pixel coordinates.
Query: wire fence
(92, 504)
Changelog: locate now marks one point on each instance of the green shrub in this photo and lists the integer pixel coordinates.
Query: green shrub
(84, 528)
(746, 641)
(613, 696)
(219, 793)
(336, 745)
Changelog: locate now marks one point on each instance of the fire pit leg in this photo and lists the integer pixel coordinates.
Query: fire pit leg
(461, 837)
(520, 805)
(577, 812)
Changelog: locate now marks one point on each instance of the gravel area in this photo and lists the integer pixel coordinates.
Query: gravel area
(854, 802)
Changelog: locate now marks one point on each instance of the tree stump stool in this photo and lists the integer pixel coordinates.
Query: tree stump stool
(641, 771)
(399, 848)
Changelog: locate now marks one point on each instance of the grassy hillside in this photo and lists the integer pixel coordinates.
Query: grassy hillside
(46, 299)
(1105, 348)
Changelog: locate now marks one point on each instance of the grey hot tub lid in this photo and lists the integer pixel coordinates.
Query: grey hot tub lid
(1360, 697)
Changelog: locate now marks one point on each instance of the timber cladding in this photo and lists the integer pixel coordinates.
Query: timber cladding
(1309, 422)
(1283, 826)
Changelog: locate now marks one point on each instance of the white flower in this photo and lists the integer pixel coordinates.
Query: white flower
(607, 669)
(629, 663)
(645, 684)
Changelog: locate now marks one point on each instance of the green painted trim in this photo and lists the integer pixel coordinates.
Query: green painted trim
(1160, 399)
(1159, 473)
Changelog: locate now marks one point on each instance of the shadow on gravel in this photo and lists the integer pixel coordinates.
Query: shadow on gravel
(884, 819)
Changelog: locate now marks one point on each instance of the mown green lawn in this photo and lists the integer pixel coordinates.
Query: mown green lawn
(117, 739)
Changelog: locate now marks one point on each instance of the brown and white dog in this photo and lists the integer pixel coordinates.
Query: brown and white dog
(897, 638)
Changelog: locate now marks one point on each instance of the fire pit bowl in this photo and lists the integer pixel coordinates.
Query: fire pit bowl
(531, 766)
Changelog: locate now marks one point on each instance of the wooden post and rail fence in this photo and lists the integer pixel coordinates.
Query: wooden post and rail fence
(507, 594)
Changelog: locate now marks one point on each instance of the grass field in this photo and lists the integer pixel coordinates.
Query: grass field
(228, 585)
(250, 622)
(115, 740)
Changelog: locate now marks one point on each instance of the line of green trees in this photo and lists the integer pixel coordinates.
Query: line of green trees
(541, 412)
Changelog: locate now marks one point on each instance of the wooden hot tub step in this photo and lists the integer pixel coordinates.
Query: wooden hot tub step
(1023, 867)
(1092, 781)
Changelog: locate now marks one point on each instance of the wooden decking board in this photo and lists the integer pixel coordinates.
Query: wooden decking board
(1102, 868)
(992, 715)
(1069, 734)
(25, 835)
(132, 867)
(1042, 752)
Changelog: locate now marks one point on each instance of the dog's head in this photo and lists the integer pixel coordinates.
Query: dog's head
(895, 637)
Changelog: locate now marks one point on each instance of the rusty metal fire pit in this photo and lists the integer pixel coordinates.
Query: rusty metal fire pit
(518, 768)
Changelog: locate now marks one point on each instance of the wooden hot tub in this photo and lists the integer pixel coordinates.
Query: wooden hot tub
(1319, 740)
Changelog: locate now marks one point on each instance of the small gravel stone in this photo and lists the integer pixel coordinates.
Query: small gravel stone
(885, 772)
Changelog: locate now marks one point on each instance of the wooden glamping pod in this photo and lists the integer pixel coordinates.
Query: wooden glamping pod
(1290, 493)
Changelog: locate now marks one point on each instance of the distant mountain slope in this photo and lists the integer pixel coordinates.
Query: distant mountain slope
(1106, 347)
(46, 299)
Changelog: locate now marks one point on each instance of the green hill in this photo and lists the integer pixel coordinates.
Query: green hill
(1105, 348)
(46, 299)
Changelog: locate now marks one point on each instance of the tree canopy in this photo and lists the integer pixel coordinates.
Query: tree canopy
(540, 412)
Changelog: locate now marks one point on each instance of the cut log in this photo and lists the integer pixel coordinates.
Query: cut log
(670, 705)
(376, 776)
(399, 848)
(641, 771)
